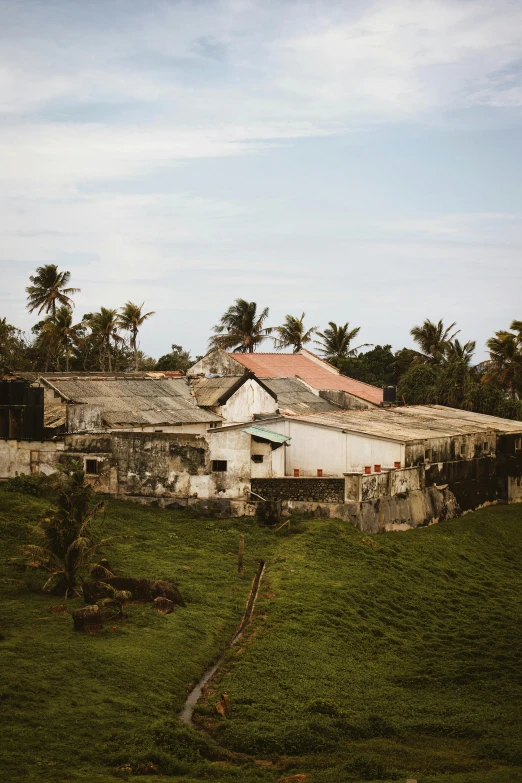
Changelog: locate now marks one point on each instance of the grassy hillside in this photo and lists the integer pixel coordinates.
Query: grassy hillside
(370, 657)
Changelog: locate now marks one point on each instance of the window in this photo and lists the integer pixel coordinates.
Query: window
(158, 430)
(215, 424)
(257, 458)
(518, 444)
(427, 455)
(485, 446)
(91, 467)
(462, 449)
(219, 465)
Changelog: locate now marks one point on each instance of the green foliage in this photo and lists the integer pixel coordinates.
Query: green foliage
(376, 366)
(35, 484)
(292, 334)
(241, 328)
(177, 359)
(418, 385)
(67, 538)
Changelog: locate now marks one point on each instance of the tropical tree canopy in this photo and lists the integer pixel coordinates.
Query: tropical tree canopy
(505, 361)
(336, 340)
(433, 340)
(241, 328)
(292, 333)
(462, 352)
(49, 289)
(60, 333)
(104, 326)
(131, 318)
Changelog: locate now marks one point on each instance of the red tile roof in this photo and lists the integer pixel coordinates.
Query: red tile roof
(310, 368)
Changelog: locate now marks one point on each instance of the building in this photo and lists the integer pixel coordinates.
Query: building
(318, 375)
(76, 403)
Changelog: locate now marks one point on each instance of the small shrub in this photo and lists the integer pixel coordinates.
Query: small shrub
(368, 769)
(35, 484)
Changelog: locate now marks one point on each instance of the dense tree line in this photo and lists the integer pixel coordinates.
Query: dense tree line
(438, 370)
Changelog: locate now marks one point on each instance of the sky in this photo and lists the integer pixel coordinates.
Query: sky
(356, 161)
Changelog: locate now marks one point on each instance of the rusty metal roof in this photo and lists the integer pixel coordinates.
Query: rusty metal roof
(134, 402)
(311, 369)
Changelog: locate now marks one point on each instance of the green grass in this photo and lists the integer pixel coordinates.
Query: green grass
(370, 657)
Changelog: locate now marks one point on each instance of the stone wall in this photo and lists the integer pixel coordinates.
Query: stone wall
(401, 512)
(321, 490)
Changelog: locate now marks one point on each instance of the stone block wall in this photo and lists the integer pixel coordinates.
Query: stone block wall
(319, 490)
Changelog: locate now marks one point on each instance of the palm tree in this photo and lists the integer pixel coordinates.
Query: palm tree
(131, 318)
(292, 333)
(60, 333)
(433, 340)
(241, 328)
(104, 327)
(49, 289)
(461, 352)
(505, 362)
(335, 341)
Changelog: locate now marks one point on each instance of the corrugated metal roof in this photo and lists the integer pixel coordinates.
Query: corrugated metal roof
(420, 422)
(209, 391)
(314, 371)
(145, 401)
(295, 398)
(264, 434)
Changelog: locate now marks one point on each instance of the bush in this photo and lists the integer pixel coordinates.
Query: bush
(35, 484)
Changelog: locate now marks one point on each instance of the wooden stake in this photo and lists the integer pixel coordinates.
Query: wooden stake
(240, 556)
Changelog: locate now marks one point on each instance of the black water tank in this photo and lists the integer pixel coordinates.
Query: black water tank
(389, 394)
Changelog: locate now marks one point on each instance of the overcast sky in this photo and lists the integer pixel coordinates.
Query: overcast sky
(359, 161)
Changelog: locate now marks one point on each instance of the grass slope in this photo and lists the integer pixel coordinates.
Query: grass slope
(370, 658)
(395, 655)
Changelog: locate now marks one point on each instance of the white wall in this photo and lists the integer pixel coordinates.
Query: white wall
(314, 447)
(363, 450)
(250, 398)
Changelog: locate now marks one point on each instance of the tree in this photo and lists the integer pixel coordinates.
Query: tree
(49, 288)
(13, 348)
(104, 327)
(433, 340)
(61, 333)
(418, 385)
(505, 362)
(461, 352)
(335, 341)
(67, 538)
(292, 333)
(131, 318)
(177, 359)
(376, 366)
(241, 328)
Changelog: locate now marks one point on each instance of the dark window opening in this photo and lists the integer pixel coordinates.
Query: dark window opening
(462, 449)
(427, 455)
(485, 446)
(257, 458)
(219, 465)
(158, 430)
(91, 467)
(518, 444)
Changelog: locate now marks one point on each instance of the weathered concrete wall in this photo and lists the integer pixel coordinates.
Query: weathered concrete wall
(345, 400)
(216, 363)
(402, 512)
(248, 400)
(28, 456)
(446, 449)
(326, 490)
(84, 418)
